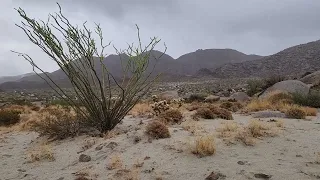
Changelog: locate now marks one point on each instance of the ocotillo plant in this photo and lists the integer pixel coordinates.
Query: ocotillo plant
(81, 57)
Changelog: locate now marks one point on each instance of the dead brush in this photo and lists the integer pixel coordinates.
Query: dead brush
(227, 130)
(43, 153)
(296, 112)
(231, 106)
(191, 126)
(204, 146)
(115, 163)
(157, 130)
(141, 110)
(171, 116)
(57, 123)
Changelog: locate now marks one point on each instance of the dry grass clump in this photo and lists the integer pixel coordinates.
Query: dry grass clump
(295, 112)
(9, 117)
(157, 129)
(231, 106)
(278, 96)
(259, 105)
(228, 129)
(191, 126)
(141, 110)
(43, 153)
(212, 112)
(258, 128)
(204, 113)
(115, 163)
(57, 123)
(127, 174)
(221, 113)
(171, 116)
(204, 146)
(310, 111)
(194, 106)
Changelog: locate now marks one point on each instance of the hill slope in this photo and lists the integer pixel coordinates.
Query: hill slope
(293, 61)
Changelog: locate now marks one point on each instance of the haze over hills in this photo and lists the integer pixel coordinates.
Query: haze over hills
(186, 65)
(13, 78)
(293, 61)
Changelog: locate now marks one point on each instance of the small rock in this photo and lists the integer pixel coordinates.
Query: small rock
(62, 178)
(268, 114)
(262, 176)
(298, 155)
(98, 148)
(112, 145)
(137, 139)
(146, 158)
(84, 158)
(215, 176)
(241, 162)
(21, 170)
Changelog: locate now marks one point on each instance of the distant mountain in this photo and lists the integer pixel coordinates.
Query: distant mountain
(13, 78)
(293, 61)
(212, 58)
(172, 69)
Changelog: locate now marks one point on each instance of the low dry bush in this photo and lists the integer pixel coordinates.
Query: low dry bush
(141, 110)
(57, 123)
(212, 112)
(9, 117)
(171, 116)
(231, 106)
(191, 126)
(296, 112)
(228, 129)
(43, 153)
(204, 146)
(157, 130)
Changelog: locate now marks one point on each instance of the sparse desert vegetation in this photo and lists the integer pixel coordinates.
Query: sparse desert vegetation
(121, 117)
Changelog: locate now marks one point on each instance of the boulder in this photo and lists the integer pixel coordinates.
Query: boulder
(313, 78)
(212, 98)
(268, 114)
(240, 96)
(290, 86)
(168, 95)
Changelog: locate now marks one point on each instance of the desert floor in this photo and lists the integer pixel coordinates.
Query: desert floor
(291, 153)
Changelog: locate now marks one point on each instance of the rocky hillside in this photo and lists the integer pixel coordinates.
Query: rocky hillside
(172, 69)
(293, 61)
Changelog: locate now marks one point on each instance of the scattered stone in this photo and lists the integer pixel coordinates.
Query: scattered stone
(241, 162)
(84, 158)
(212, 98)
(268, 114)
(112, 145)
(262, 176)
(240, 96)
(137, 139)
(215, 176)
(99, 147)
(146, 158)
(298, 155)
(21, 170)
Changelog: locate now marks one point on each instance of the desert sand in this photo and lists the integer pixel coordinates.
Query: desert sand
(290, 154)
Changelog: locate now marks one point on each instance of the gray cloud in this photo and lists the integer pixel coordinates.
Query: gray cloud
(251, 26)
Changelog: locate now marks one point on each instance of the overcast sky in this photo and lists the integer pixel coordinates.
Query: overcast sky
(260, 27)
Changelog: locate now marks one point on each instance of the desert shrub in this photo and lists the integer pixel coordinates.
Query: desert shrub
(221, 113)
(158, 130)
(21, 102)
(311, 100)
(295, 113)
(257, 128)
(204, 146)
(160, 107)
(141, 110)
(254, 87)
(44, 153)
(270, 81)
(196, 98)
(310, 111)
(231, 106)
(9, 117)
(172, 116)
(57, 123)
(106, 98)
(193, 106)
(204, 113)
(280, 97)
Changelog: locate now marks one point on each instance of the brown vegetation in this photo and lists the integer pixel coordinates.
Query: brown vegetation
(157, 129)
(171, 116)
(204, 146)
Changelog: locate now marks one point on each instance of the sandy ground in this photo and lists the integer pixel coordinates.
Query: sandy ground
(291, 155)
